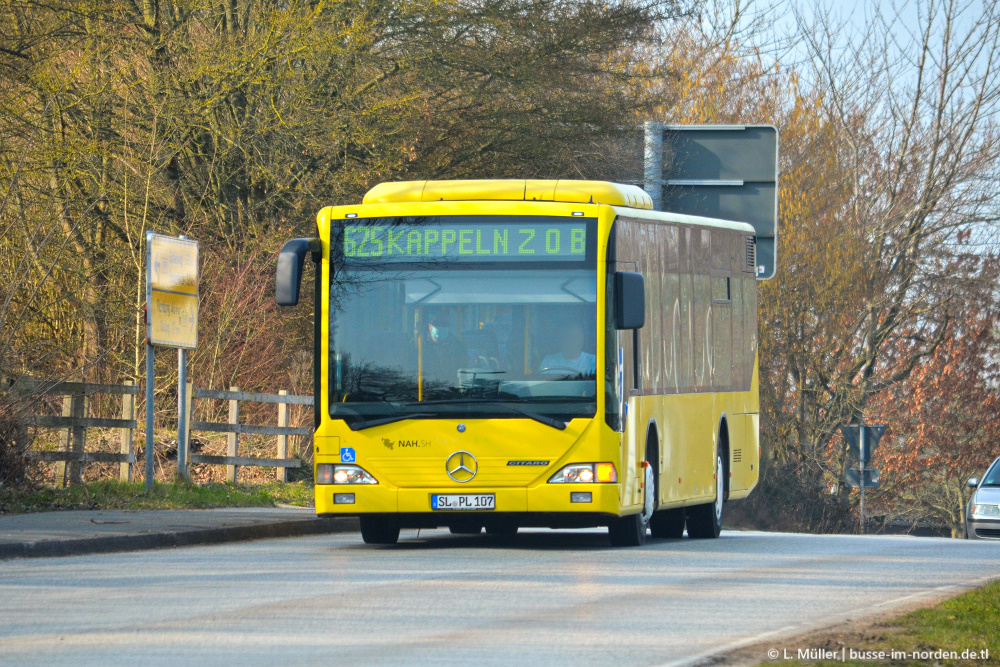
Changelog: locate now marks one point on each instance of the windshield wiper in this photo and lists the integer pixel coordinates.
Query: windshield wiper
(541, 419)
(368, 423)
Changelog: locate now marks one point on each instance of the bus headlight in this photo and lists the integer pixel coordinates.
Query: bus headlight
(586, 473)
(328, 473)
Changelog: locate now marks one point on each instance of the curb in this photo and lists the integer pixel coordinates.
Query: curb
(118, 543)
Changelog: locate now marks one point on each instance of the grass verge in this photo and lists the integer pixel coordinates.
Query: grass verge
(945, 634)
(113, 494)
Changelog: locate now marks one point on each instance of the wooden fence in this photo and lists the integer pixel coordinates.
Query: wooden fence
(75, 421)
(233, 428)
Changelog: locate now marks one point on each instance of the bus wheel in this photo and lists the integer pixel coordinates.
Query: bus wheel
(630, 531)
(667, 524)
(705, 521)
(379, 529)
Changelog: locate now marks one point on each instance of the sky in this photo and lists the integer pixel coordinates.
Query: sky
(779, 20)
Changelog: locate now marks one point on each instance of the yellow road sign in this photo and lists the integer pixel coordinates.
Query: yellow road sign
(172, 291)
(174, 264)
(174, 320)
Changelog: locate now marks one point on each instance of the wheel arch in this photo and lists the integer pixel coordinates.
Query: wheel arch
(723, 449)
(653, 429)
(653, 437)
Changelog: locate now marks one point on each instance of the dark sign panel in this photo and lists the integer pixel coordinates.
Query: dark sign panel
(873, 478)
(873, 434)
(718, 171)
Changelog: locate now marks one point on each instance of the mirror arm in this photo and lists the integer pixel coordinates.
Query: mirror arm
(636, 371)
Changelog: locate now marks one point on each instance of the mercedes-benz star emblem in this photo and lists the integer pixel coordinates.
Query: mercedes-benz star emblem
(461, 467)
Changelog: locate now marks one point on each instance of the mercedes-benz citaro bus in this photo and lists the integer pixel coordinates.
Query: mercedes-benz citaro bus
(500, 354)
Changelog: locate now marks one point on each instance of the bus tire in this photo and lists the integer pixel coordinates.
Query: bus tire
(667, 524)
(705, 521)
(627, 531)
(377, 529)
(630, 531)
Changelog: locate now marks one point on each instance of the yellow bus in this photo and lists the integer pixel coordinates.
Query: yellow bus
(500, 354)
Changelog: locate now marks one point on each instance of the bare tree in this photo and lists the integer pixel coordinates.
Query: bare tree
(870, 282)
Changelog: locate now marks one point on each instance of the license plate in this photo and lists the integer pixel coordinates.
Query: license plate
(464, 501)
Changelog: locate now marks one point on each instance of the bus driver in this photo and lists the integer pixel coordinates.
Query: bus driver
(442, 354)
(571, 356)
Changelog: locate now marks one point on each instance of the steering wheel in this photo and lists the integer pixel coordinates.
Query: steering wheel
(567, 369)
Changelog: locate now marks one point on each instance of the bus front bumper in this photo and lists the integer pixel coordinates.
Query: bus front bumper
(355, 499)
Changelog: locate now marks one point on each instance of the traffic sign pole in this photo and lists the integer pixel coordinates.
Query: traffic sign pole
(861, 465)
(150, 368)
(149, 417)
(182, 417)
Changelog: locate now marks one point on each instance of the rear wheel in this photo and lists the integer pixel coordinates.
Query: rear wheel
(667, 524)
(630, 531)
(379, 529)
(705, 521)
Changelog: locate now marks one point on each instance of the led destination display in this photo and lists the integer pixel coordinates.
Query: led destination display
(512, 240)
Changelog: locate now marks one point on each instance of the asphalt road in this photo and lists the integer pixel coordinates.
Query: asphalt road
(544, 598)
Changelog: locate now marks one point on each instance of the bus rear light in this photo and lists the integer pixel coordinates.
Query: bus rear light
(585, 473)
(327, 473)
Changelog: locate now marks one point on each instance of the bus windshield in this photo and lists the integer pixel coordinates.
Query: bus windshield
(444, 336)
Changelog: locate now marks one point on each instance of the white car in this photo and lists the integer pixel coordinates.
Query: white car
(983, 518)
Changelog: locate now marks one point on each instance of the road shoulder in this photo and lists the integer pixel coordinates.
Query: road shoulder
(860, 630)
(78, 532)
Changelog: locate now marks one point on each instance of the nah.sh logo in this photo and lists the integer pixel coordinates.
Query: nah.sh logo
(387, 442)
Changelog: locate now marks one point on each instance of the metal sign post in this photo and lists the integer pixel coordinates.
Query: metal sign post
(861, 442)
(861, 466)
(182, 416)
(171, 321)
(150, 374)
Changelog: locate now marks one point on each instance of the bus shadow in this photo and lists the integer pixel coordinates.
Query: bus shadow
(524, 541)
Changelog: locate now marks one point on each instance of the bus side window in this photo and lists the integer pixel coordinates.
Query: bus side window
(702, 255)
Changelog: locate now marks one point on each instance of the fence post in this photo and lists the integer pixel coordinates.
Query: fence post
(128, 412)
(233, 439)
(66, 440)
(282, 473)
(78, 406)
(189, 419)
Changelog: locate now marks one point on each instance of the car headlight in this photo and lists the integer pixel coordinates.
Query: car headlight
(586, 473)
(328, 473)
(985, 510)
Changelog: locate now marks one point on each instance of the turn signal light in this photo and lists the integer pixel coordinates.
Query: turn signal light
(606, 473)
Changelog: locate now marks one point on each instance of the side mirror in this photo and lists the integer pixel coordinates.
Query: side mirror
(973, 482)
(630, 300)
(288, 279)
